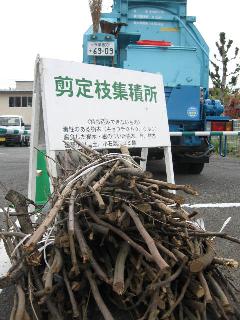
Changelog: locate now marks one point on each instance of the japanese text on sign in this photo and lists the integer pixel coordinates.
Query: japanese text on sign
(104, 133)
(104, 90)
(103, 107)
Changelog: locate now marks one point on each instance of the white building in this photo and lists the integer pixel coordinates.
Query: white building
(17, 101)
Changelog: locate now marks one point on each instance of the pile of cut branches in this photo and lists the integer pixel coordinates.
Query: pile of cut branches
(114, 244)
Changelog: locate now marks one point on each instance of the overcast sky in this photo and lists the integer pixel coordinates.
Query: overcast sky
(54, 29)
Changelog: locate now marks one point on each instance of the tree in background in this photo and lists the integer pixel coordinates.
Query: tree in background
(225, 81)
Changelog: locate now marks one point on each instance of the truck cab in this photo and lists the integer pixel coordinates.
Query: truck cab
(12, 130)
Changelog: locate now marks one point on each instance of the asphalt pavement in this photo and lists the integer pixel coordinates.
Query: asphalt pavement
(218, 185)
(13, 170)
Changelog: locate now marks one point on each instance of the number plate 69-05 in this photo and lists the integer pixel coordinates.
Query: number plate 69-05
(100, 48)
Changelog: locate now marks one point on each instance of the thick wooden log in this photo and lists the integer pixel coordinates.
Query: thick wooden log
(21, 207)
(166, 185)
(201, 263)
(96, 294)
(121, 234)
(162, 264)
(37, 235)
(99, 184)
(118, 280)
(12, 276)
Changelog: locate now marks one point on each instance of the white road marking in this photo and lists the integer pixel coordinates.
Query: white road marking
(212, 205)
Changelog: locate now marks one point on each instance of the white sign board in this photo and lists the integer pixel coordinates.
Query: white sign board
(101, 106)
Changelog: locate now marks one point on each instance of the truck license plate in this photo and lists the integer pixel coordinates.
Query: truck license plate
(98, 48)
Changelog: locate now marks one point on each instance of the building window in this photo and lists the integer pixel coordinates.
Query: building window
(24, 101)
(17, 102)
(29, 99)
(11, 101)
